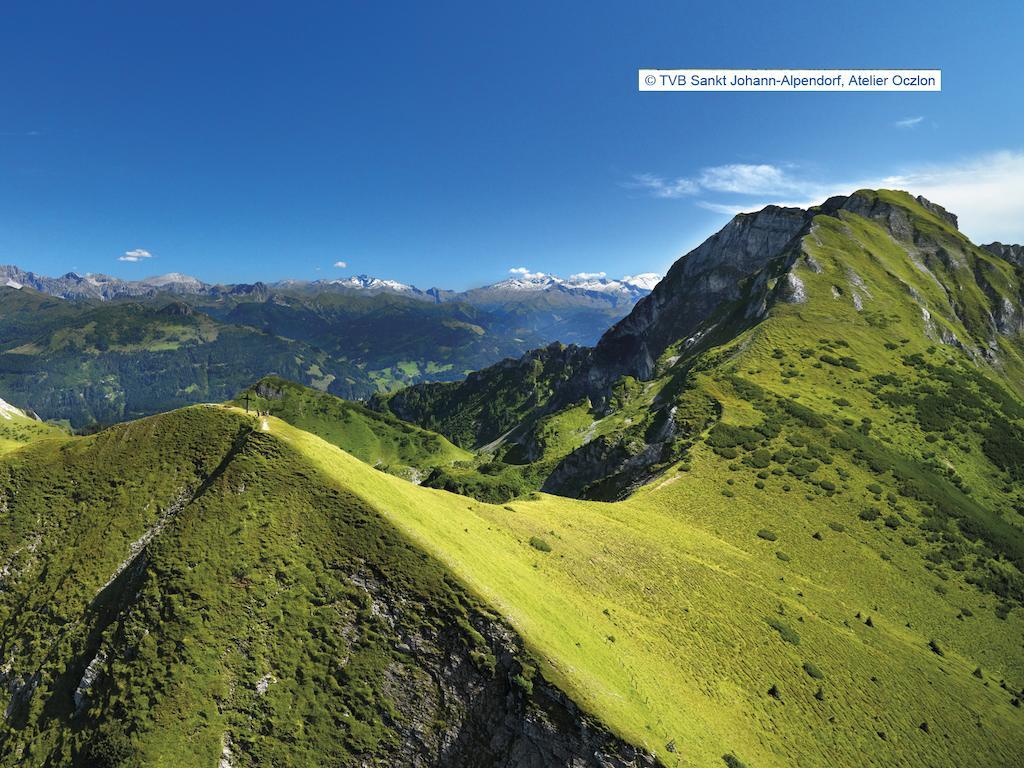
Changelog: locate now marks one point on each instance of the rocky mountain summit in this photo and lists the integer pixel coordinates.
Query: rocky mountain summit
(694, 290)
(756, 265)
(737, 264)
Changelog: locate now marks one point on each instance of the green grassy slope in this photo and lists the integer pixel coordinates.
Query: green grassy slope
(864, 462)
(667, 615)
(826, 571)
(18, 430)
(380, 440)
(492, 402)
(189, 589)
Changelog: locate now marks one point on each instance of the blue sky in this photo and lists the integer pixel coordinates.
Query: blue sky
(445, 143)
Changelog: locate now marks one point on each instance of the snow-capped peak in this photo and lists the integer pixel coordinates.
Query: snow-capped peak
(524, 280)
(645, 280)
(365, 282)
(596, 281)
(171, 278)
(532, 281)
(12, 283)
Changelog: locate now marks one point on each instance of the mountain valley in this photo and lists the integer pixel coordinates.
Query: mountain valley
(95, 350)
(773, 517)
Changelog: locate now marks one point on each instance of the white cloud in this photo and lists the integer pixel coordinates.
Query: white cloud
(526, 273)
(137, 254)
(588, 276)
(738, 178)
(909, 122)
(659, 186)
(341, 264)
(985, 191)
(747, 179)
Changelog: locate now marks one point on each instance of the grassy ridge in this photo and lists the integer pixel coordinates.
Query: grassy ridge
(230, 600)
(654, 613)
(380, 440)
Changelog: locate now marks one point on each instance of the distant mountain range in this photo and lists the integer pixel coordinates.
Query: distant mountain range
(95, 349)
(102, 287)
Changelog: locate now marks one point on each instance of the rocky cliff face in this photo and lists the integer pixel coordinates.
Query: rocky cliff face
(604, 469)
(499, 719)
(1011, 253)
(696, 293)
(693, 290)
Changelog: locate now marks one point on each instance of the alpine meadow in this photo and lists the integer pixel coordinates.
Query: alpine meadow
(534, 385)
(774, 516)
